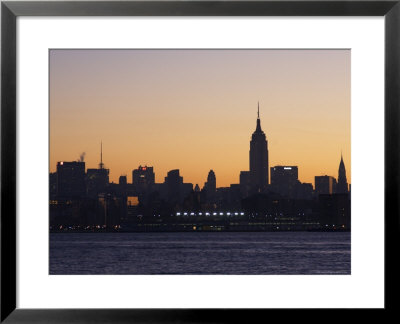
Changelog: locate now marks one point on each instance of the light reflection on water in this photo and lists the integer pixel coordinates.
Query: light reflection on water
(200, 253)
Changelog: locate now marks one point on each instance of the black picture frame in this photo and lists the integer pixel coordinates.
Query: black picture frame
(10, 10)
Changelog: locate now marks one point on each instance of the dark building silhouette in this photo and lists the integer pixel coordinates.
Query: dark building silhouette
(143, 179)
(223, 198)
(123, 181)
(325, 185)
(53, 185)
(304, 191)
(110, 210)
(97, 180)
(71, 180)
(173, 183)
(245, 183)
(284, 180)
(122, 192)
(335, 211)
(259, 158)
(87, 201)
(176, 190)
(210, 187)
(235, 196)
(342, 186)
(192, 201)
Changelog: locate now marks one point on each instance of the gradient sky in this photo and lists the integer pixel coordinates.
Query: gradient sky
(195, 110)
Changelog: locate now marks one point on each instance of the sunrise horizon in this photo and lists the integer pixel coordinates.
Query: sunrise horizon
(195, 110)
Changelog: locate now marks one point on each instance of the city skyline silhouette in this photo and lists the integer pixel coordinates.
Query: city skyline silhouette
(266, 198)
(182, 136)
(341, 173)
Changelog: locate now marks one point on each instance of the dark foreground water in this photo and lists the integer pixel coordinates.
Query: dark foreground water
(200, 253)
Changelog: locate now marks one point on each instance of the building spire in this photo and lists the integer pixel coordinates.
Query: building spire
(258, 128)
(342, 186)
(101, 165)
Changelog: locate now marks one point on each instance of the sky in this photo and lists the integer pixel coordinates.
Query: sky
(195, 110)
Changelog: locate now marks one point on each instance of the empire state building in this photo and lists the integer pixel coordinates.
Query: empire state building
(259, 158)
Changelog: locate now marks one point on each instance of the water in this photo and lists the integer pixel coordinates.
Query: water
(200, 253)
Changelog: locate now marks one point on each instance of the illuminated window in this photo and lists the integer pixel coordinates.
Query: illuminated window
(133, 201)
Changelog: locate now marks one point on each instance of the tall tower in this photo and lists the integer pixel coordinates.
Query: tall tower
(97, 180)
(259, 158)
(211, 183)
(101, 164)
(210, 186)
(342, 186)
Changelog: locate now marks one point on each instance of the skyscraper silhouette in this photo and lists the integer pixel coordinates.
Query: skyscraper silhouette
(284, 180)
(325, 185)
(342, 186)
(143, 178)
(259, 158)
(210, 186)
(97, 180)
(71, 180)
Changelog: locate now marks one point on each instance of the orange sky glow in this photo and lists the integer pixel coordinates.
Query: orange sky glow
(195, 110)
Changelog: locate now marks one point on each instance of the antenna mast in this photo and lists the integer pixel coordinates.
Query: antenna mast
(101, 165)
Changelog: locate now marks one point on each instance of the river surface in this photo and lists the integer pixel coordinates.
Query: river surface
(255, 253)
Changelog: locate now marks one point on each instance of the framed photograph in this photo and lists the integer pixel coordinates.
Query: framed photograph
(163, 159)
